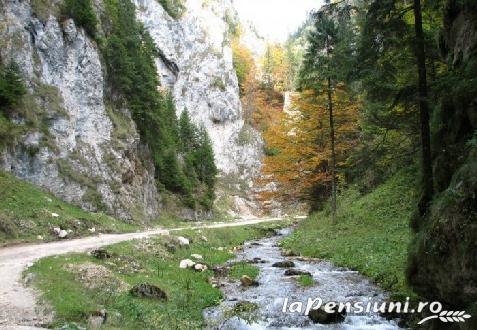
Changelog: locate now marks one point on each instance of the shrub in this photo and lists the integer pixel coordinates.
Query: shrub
(82, 12)
(175, 8)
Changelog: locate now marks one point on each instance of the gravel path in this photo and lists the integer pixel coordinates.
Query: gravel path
(19, 304)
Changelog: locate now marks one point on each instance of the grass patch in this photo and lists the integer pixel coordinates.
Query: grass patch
(244, 268)
(372, 234)
(305, 280)
(26, 212)
(152, 261)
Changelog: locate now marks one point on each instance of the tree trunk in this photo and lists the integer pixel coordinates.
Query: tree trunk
(333, 153)
(426, 170)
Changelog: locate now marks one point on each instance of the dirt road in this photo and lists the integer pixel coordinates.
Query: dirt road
(19, 307)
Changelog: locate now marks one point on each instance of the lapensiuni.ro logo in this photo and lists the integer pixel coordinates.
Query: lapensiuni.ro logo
(362, 307)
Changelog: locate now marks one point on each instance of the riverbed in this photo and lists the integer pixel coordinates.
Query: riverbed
(331, 283)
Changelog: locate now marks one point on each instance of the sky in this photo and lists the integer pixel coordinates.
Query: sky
(276, 19)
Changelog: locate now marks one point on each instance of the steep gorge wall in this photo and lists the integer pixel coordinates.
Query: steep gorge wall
(442, 264)
(196, 65)
(86, 151)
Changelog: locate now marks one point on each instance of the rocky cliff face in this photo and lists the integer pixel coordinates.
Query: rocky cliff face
(196, 65)
(442, 263)
(86, 153)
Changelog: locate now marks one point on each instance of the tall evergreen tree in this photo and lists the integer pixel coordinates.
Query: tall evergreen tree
(427, 175)
(324, 67)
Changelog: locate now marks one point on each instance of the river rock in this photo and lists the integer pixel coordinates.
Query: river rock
(288, 253)
(220, 270)
(145, 290)
(256, 261)
(296, 272)
(248, 281)
(321, 316)
(284, 264)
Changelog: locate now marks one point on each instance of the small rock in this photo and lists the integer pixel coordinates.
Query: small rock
(256, 261)
(248, 281)
(62, 234)
(288, 253)
(95, 322)
(55, 215)
(56, 230)
(296, 272)
(220, 248)
(114, 318)
(220, 270)
(101, 254)
(200, 267)
(255, 244)
(197, 256)
(39, 237)
(183, 241)
(92, 230)
(186, 263)
(321, 316)
(203, 238)
(145, 290)
(284, 264)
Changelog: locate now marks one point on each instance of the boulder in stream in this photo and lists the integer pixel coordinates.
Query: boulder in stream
(248, 281)
(284, 264)
(321, 316)
(296, 272)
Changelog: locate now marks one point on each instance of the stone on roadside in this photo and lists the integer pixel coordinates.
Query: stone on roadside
(101, 254)
(92, 230)
(183, 241)
(145, 290)
(284, 264)
(62, 234)
(197, 256)
(186, 263)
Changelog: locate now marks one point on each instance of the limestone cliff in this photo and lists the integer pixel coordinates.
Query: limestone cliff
(89, 153)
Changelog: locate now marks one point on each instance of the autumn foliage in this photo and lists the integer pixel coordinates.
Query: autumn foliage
(299, 145)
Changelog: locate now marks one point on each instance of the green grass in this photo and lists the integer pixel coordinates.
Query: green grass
(243, 268)
(188, 291)
(372, 234)
(305, 280)
(26, 212)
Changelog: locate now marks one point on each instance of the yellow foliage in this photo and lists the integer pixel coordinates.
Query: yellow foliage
(299, 143)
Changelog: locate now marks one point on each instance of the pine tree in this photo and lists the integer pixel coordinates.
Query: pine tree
(324, 67)
(12, 87)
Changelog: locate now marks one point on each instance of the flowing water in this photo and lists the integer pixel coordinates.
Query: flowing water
(331, 284)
